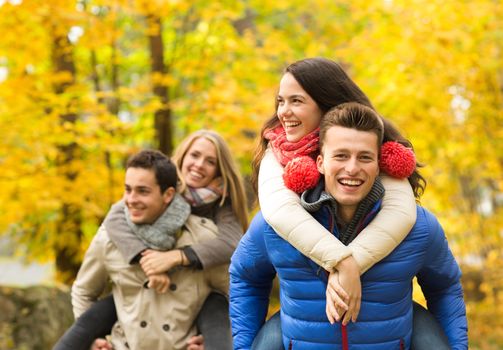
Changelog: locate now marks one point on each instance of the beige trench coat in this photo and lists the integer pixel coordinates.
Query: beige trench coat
(147, 319)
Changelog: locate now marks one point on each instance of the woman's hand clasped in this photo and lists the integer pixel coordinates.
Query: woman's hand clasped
(344, 292)
(155, 262)
(159, 282)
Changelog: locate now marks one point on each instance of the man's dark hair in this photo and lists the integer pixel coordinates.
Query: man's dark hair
(352, 115)
(164, 169)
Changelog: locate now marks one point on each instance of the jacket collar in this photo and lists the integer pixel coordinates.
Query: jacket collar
(316, 198)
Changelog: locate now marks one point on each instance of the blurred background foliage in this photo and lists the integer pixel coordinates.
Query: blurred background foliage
(83, 84)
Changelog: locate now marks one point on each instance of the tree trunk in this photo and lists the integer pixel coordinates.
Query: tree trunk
(67, 253)
(163, 122)
(112, 104)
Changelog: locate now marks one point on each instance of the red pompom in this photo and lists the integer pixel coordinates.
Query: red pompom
(397, 160)
(301, 174)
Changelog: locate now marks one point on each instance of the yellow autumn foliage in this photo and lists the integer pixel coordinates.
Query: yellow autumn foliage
(434, 68)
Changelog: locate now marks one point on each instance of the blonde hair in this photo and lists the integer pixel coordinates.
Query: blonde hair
(233, 186)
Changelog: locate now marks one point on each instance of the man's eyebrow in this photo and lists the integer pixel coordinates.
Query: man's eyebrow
(143, 187)
(368, 152)
(338, 150)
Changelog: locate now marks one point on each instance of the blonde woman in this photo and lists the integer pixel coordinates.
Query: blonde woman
(212, 185)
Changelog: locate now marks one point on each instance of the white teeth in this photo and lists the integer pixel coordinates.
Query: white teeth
(351, 182)
(291, 124)
(195, 174)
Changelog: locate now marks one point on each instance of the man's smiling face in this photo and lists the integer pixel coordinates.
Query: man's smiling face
(143, 196)
(349, 162)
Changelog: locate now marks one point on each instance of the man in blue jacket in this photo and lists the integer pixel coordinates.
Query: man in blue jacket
(345, 201)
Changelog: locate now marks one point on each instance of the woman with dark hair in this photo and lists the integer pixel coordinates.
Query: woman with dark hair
(289, 141)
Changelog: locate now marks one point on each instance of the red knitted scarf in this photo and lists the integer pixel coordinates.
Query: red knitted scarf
(301, 172)
(285, 151)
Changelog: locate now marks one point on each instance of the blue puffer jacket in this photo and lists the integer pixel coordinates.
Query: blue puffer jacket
(385, 319)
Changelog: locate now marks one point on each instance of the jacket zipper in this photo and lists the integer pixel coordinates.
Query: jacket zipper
(344, 331)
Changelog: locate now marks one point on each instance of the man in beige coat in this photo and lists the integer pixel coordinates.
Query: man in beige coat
(155, 312)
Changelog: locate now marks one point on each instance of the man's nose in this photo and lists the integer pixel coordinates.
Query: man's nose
(352, 166)
(131, 196)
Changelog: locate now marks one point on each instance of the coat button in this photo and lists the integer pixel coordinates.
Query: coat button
(203, 221)
(143, 324)
(165, 327)
(172, 287)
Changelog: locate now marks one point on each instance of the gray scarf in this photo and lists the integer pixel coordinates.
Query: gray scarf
(312, 200)
(162, 234)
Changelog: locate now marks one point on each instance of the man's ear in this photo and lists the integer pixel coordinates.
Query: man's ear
(319, 163)
(168, 195)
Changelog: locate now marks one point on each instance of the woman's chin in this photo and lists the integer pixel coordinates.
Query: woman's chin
(294, 137)
(193, 183)
(197, 182)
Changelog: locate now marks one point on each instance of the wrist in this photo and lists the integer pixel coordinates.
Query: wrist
(347, 263)
(183, 258)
